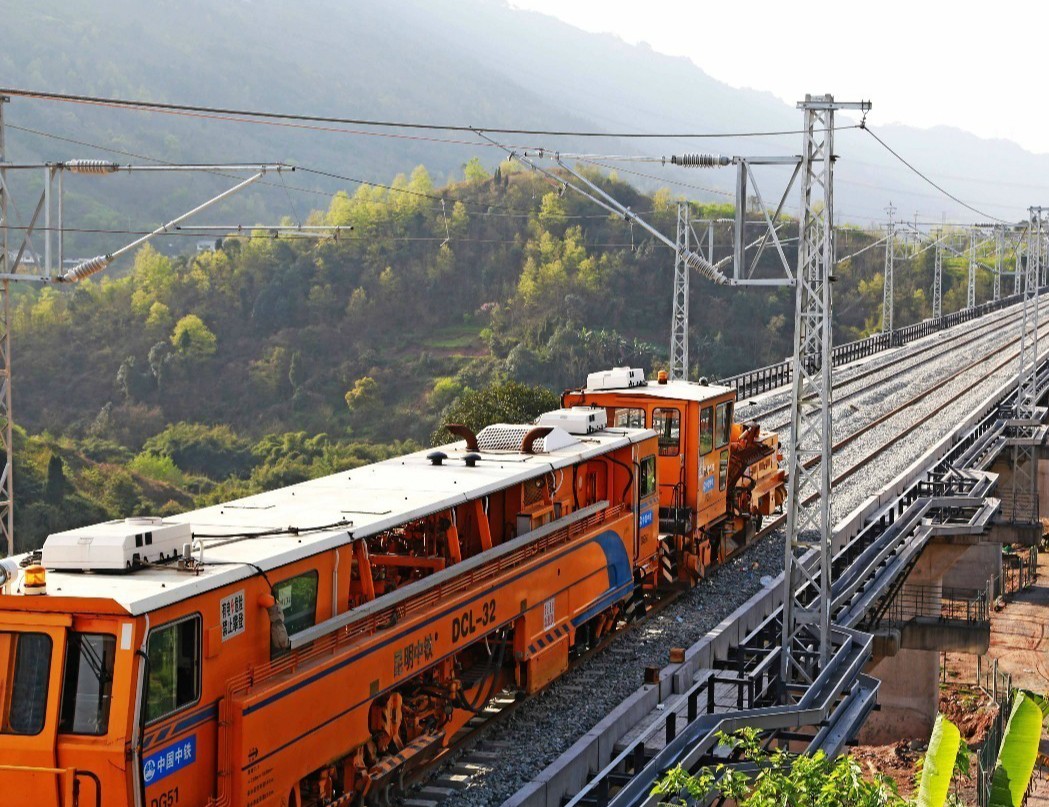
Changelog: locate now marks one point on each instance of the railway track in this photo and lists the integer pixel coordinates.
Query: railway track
(854, 385)
(471, 759)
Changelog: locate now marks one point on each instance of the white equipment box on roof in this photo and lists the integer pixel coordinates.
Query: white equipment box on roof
(115, 545)
(616, 378)
(576, 419)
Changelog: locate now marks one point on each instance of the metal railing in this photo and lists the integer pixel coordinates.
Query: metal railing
(776, 375)
(1019, 571)
(998, 685)
(936, 602)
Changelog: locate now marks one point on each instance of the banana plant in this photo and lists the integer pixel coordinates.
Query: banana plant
(939, 764)
(1041, 700)
(1019, 750)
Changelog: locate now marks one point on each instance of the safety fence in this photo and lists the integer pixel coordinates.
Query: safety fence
(1000, 689)
(776, 375)
(928, 602)
(1019, 571)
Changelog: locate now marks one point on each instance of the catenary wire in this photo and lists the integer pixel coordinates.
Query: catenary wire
(486, 211)
(249, 234)
(157, 106)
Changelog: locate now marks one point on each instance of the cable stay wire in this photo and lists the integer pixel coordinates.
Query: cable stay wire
(930, 181)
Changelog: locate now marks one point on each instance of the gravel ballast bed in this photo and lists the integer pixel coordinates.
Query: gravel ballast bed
(539, 731)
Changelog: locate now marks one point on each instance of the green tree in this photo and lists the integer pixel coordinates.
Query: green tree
(509, 402)
(191, 337)
(159, 316)
(552, 210)
(474, 170)
(364, 395)
(56, 480)
(213, 451)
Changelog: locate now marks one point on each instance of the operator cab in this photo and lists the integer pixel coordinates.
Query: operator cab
(717, 478)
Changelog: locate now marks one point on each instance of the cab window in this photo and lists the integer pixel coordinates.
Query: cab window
(298, 600)
(646, 478)
(27, 679)
(722, 424)
(174, 667)
(723, 470)
(667, 422)
(87, 683)
(630, 418)
(706, 430)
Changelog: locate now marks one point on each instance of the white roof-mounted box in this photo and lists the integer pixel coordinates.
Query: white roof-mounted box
(576, 419)
(116, 545)
(616, 378)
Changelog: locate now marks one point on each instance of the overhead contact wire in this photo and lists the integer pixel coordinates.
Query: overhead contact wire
(158, 106)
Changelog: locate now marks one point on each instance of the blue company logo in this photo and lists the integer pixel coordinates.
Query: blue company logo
(646, 518)
(168, 760)
(708, 484)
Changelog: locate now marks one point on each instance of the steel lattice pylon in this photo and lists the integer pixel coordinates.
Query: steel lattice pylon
(1025, 455)
(970, 296)
(7, 539)
(1017, 270)
(679, 320)
(999, 257)
(806, 629)
(937, 278)
(890, 260)
(1026, 394)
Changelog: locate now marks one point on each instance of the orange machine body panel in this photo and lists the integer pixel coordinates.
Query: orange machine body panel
(429, 586)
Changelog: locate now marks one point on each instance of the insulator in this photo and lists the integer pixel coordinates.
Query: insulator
(705, 267)
(86, 269)
(699, 160)
(91, 166)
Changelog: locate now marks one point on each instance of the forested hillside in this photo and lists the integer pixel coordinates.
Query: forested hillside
(270, 360)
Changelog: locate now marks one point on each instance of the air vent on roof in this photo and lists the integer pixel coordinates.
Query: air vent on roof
(116, 545)
(508, 437)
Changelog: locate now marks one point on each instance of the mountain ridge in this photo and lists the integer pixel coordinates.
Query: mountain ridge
(479, 62)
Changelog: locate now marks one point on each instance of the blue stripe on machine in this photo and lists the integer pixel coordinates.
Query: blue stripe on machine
(202, 715)
(618, 568)
(608, 599)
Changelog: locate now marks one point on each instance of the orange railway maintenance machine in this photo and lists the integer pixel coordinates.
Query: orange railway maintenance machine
(717, 478)
(312, 643)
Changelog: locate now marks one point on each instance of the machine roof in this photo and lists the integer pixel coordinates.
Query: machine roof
(325, 513)
(680, 390)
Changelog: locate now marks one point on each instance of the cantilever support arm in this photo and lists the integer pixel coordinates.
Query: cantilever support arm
(95, 265)
(711, 271)
(604, 200)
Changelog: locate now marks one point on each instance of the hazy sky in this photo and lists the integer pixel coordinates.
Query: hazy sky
(967, 64)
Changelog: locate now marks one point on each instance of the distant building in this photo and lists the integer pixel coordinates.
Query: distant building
(28, 259)
(206, 246)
